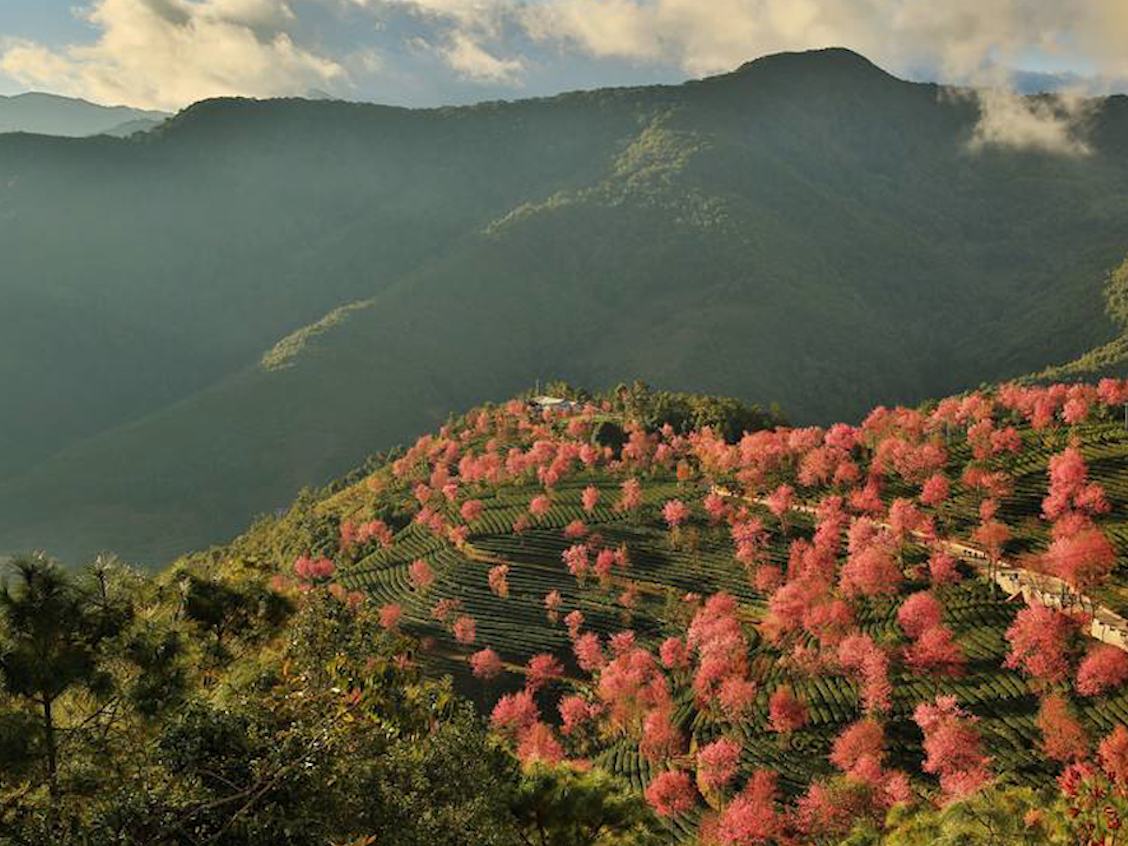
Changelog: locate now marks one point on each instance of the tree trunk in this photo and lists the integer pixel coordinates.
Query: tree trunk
(52, 753)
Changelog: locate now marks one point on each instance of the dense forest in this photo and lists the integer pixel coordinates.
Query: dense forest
(202, 319)
(625, 618)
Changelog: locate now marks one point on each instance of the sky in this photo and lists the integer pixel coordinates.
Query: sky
(166, 54)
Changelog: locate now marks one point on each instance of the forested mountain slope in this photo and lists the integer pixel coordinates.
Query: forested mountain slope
(806, 229)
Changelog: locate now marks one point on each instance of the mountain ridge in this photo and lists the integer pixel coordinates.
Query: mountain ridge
(774, 242)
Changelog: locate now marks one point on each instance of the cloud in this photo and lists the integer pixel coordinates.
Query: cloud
(468, 58)
(166, 53)
(1050, 124)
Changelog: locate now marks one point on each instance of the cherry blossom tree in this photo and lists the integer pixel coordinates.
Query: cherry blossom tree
(1113, 755)
(952, 746)
(780, 502)
(1063, 738)
(1083, 559)
(918, 612)
(485, 664)
(542, 669)
(943, 568)
(1104, 668)
(671, 793)
(471, 510)
(498, 580)
(575, 711)
(717, 763)
(390, 615)
(871, 572)
(631, 498)
(590, 498)
(752, 816)
(935, 490)
(589, 652)
(464, 630)
(1041, 641)
(660, 738)
(858, 745)
(935, 653)
(421, 576)
(514, 713)
(539, 743)
(675, 512)
(786, 712)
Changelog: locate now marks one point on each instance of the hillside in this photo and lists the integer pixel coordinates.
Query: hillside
(292, 283)
(49, 114)
(655, 591)
(512, 514)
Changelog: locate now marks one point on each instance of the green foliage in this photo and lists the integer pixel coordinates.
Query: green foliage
(557, 806)
(995, 816)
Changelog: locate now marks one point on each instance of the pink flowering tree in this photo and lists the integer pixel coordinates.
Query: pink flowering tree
(1104, 668)
(671, 793)
(485, 664)
(952, 746)
(786, 712)
(717, 763)
(1041, 644)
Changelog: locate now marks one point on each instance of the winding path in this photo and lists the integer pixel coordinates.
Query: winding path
(1036, 588)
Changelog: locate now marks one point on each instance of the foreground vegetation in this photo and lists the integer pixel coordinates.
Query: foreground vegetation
(621, 619)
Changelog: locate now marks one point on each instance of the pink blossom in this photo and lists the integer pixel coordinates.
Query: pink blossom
(421, 576)
(717, 763)
(590, 498)
(541, 670)
(671, 793)
(390, 615)
(464, 630)
(675, 513)
(485, 664)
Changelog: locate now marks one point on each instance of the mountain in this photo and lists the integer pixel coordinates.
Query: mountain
(291, 283)
(123, 130)
(50, 114)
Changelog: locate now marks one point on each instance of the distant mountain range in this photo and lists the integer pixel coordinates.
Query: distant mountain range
(201, 319)
(49, 114)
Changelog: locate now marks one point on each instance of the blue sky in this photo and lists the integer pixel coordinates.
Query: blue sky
(168, 53)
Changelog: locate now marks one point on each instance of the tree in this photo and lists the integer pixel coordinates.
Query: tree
(786, 711)
(561, 806)
(671, 793)
(919, 612)
(952, 746)
(717, 763)
(1041, 641)
(1083, 559)
(1063, 739)
(53, 634)
(858, 744)
(1104, 668)
(935, 653)
(751, 817)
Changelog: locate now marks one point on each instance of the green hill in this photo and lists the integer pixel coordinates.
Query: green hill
(290, 283)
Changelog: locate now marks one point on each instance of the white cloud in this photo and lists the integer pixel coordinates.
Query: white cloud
(1051, 124)
(471, 61)
(166, 53)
